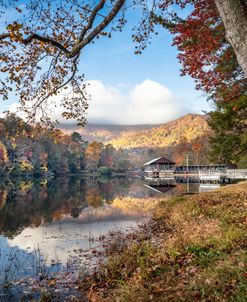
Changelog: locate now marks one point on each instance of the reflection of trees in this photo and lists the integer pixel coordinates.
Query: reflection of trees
(107, 190)
(3, 198)
(75, 212)
(93, 198)
(27, 205)
(30, 203)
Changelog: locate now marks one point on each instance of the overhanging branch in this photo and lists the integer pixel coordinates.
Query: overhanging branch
(76, 49)
(45, 39)
(4, 36)
(82, 40)
(91, 19)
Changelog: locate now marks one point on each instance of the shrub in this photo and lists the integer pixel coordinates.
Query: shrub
(104, 171)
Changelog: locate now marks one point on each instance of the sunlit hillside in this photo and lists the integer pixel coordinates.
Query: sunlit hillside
(102, 133)
(186, 128)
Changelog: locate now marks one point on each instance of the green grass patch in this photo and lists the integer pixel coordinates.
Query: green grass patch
(204, 256)
(195, 251)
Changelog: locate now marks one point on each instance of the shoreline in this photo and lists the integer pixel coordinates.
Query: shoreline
(193, 249)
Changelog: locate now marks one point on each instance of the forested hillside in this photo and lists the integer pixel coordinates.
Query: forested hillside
(186, 135)
(102, 133)
(184, 129)
(34, 150)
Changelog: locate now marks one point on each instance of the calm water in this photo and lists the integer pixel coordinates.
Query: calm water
(52, 227)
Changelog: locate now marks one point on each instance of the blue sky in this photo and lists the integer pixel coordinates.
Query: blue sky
(113, 62)
(115, 72)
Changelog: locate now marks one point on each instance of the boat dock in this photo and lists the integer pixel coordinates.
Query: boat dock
(224, 176)
(162, 168)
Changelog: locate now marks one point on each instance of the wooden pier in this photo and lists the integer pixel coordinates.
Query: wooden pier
(204, 176)
(236, 173)
(222, 176)
(162, 168)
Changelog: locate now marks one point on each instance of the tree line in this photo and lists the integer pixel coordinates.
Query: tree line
(33, 150)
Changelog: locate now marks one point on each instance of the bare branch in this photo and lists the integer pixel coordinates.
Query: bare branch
(76, 49)
(91, 19)
(45, 40)
(56, 89)
(4, 36)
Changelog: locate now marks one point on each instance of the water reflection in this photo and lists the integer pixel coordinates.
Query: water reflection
(25, 203)
(32, 203)
(47, 222)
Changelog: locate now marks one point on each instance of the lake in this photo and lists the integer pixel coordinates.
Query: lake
(51, 228)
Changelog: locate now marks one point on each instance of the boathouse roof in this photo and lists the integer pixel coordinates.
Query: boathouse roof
(160, 160)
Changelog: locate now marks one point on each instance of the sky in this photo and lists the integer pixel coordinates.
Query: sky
(134, 89)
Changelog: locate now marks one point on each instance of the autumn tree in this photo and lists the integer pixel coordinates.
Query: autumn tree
(197, 148)
(15, 135)
(39, 157)
(208, 57)
(93, 153)
(41, 48)
(74, 152)
(3, 158)
(40, 52)
(107, 156)
(76, 137)
(233, 14)
(3, 153)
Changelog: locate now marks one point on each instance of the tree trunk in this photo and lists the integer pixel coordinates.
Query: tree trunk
(234, 16)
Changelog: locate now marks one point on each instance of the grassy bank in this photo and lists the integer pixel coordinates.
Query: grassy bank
(194, 249)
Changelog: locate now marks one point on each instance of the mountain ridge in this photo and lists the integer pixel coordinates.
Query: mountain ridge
(186, 128)
(102, 133)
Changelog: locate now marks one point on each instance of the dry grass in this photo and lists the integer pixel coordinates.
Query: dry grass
(194, 249)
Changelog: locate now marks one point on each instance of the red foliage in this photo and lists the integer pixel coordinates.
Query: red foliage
(205, 54)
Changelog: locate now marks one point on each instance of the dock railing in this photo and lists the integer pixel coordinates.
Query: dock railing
(228, 174)
(204, 175)
(171, 170)
(236, 173)
(210, 175)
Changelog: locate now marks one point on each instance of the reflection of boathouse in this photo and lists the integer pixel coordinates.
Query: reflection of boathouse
(160, 167)
(160, 188)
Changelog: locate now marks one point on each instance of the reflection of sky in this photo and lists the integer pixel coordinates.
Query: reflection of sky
(7, 258)
(17, 262)
(128, 202)
(58, 240)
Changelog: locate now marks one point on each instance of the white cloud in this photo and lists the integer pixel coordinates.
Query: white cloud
(146, 103)
(106, 104)
(152, 102)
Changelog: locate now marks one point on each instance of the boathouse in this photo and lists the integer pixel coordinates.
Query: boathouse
(194, 169)
(159, 167)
